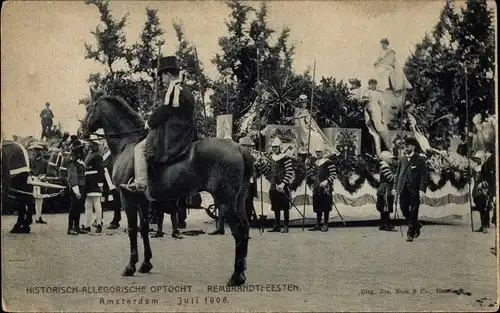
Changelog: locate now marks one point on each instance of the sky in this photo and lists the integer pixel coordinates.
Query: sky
(42, 46)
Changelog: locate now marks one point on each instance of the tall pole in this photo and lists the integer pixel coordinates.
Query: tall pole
(157, 78)
(308, 144)
(202, 90)
(468, 145)
(259, 142)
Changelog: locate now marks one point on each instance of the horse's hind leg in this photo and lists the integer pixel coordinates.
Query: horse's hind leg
(236, 218)
(146, 265)
(130, 206)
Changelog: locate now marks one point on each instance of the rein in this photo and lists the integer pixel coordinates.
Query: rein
(119, 135)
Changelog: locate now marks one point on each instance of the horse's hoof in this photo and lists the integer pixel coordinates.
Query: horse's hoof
(146, 267)
(237, 280)
(129, 270)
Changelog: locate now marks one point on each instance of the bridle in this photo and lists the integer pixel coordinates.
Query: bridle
(137, 131)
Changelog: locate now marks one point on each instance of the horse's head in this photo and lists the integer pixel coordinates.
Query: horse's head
(91, 121)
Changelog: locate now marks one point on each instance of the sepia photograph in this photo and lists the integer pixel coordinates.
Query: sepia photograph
(249, 156)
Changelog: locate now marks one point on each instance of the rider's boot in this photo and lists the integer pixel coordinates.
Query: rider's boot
(140, 170)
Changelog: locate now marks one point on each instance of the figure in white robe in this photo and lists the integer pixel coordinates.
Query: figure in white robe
(389, 73)
(306, 125)
(374, 116)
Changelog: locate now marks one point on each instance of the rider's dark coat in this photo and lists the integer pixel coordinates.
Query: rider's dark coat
(172, 127)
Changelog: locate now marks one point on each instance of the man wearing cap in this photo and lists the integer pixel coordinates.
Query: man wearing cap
(46, 117)
(38, 168)
(355, 88)
(411, 180)
(324, 173)
(64, 138)
(94, 181)
(279, 191)
(172, 126)
(484, 189)
(76, 182)
(390, 72)
(385, 200)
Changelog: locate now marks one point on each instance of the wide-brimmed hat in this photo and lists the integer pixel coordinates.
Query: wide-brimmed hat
(355, 82)
(166, 64)
(35, 147)
(387, 156)
(246, 141)
(410, 140)
(372, 81)
(384, 40)
(302, 98)
(276, 142)
(77, 145)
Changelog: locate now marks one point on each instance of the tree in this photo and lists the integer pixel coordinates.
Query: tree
(248, 55)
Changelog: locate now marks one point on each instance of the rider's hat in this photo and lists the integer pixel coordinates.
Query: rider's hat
(166, 64)
(276, 142)
(384, 40)
(246, 141)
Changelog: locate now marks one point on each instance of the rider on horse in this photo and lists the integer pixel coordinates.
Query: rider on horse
(172, 126)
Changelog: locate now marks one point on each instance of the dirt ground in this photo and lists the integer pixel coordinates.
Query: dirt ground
(448, 268)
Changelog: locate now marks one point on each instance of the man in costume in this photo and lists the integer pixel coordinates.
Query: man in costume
(172, 126)
(411, 180)
(252, 188)
(38, 168)
(46, 117)
(94, 182)
(390, 73)
(324, 173)
(76, 183)
(385, 200)
(279, 191)
(484, 192)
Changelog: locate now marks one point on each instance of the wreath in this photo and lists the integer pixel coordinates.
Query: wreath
(348, 186)
(458, 182)
(443, 178)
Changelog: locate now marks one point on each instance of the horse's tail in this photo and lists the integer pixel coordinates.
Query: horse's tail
(248, 160)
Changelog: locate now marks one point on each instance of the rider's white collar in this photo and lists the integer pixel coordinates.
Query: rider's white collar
(171, 88)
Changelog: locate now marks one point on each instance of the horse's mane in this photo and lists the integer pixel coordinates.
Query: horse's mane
(132, 115)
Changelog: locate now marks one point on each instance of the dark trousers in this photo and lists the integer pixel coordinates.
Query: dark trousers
(482, 206)
(409, 200)
(46, 131)
(76, 207)
(385, 209)
(182, 212)
(116, 205)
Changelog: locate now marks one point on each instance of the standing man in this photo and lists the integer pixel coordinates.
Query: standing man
(323, 176)
(411, 180)
(385, 200)
(484, 192)
(94, 181)
(355, 88)
(38, 168)
(374, 116)
(389, 71)
(279, 191)
(46, 118)
(76, 183)
(172, 125)
(252, 188)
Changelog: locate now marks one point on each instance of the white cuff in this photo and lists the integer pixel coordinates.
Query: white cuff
(76, 189)
(100, 185)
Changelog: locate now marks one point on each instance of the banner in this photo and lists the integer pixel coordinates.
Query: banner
(224, 126)
(344, 136)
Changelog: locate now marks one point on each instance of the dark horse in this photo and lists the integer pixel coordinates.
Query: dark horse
(219, 166)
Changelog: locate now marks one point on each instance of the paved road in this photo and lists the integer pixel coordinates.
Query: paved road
(344, 269)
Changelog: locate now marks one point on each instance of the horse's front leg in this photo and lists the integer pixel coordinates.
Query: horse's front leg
(146, 265)
(130, 206)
